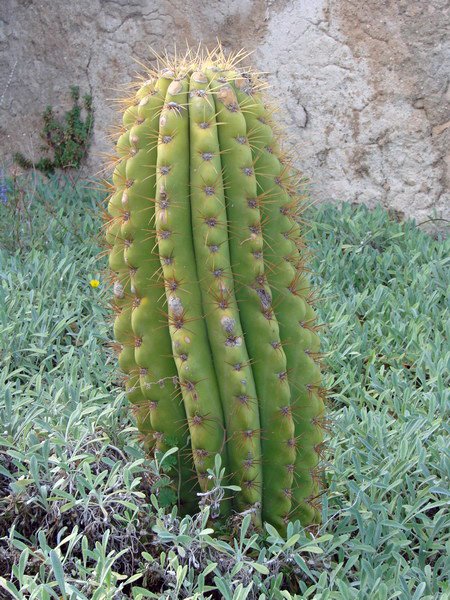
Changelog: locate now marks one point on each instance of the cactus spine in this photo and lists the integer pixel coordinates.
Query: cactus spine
(215, 329)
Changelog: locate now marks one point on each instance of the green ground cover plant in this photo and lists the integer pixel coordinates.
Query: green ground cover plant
(84, 514)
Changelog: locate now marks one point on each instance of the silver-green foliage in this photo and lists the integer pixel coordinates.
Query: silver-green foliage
(73, 488)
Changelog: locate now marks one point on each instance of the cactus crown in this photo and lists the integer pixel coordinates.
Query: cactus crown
(214, 326)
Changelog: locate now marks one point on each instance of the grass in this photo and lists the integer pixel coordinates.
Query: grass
(81, 508)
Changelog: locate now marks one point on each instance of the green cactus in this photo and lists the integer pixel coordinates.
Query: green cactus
(214, 325)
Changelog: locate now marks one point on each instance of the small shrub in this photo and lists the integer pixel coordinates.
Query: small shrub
(67, 141)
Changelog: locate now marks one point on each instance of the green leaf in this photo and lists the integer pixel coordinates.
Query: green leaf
(58, 572)
(260, 568)
(209, 568)
(291, 541)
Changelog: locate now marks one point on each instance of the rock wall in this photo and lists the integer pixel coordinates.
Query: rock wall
(362, 85)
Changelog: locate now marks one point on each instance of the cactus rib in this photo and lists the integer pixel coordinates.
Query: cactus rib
(187, 328)
(229, 352)
(290, 288)
(255, 304)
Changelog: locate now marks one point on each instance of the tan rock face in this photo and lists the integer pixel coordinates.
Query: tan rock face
(362, 86)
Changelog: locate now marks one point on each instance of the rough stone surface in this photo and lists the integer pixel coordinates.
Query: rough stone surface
(362, 86)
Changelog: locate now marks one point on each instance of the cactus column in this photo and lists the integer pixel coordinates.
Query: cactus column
(214, 323)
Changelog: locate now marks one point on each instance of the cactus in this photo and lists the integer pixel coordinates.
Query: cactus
(214, 326)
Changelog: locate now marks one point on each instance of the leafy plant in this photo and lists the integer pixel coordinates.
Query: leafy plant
(68, 140)
(28, 213)
(82, 508)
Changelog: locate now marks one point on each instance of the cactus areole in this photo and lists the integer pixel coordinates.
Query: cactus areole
(214, 326)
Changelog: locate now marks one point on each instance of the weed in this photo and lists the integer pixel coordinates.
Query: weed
(66, 141)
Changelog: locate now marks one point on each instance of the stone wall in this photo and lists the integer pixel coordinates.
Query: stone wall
(362, 85)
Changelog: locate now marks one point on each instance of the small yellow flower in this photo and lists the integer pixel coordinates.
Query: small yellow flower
(94, 283)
